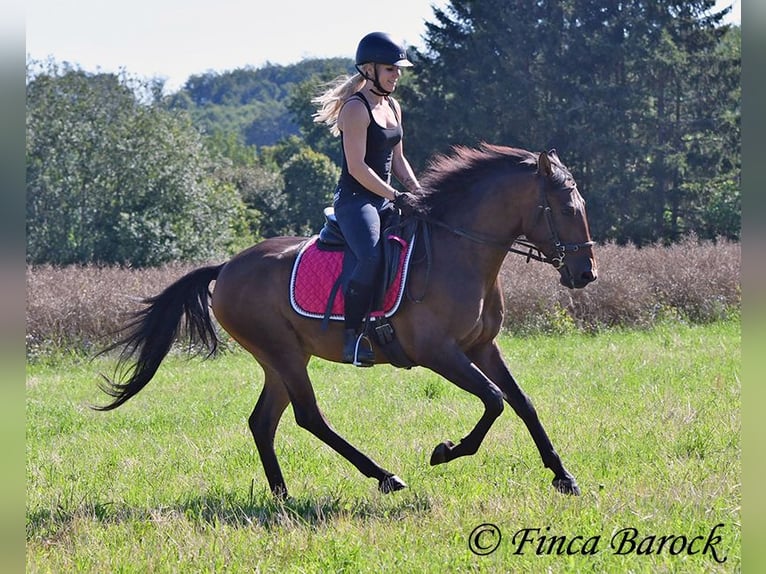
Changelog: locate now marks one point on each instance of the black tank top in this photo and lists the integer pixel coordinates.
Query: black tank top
(380, 145)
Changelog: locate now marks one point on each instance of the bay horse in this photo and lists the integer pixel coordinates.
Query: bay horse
(477, 202)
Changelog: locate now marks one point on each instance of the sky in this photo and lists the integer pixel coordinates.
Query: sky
(174, 39)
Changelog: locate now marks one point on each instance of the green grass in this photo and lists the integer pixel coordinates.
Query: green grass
(648, 421)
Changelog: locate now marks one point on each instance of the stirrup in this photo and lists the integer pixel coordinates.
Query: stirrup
(365, 353)
(362, 357)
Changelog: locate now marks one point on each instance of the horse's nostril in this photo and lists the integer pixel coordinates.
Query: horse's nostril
(589, 276)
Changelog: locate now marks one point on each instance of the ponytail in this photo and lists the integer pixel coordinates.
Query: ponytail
(331, 101)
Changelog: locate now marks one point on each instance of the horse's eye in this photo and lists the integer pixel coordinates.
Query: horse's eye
(568, 211)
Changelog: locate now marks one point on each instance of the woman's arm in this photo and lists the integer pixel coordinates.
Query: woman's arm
(403, 171)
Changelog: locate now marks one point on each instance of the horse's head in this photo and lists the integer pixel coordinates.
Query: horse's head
(559, 226)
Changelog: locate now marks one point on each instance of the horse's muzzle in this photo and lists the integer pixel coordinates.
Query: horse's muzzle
(579, 277)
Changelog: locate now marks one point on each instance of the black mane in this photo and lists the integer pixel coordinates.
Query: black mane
(448, 177)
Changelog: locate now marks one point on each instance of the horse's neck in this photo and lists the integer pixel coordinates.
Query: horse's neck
(488, 230)
(466, 252)
(485, 226)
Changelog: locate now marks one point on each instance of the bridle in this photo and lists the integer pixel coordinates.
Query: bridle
(561, 249)
(530, 251)
(527, 248)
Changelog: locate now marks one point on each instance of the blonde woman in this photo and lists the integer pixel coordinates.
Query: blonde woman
(361, 110)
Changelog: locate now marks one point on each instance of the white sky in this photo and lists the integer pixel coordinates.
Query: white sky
(173, 39)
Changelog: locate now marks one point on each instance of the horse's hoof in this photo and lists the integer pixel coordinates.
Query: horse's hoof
(279, 492)
(439, 455)
(566, 485)
(391, 484)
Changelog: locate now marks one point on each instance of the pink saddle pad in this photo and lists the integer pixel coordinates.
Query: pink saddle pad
(315, 272)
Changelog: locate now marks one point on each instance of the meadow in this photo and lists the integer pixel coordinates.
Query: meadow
(647, 420)
(636, 379)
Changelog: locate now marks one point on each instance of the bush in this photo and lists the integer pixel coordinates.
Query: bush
(637, 287)
(80, 307)
(115, 180)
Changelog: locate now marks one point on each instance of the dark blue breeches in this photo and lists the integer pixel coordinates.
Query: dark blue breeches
(360, 221)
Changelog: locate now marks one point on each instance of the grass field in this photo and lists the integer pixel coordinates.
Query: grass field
(648, 421)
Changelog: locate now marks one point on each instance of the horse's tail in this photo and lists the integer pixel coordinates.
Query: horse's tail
(152, 330)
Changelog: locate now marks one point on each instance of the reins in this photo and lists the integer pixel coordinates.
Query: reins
(423, 224)
(532, 252)
(528, 249)
(525, 247)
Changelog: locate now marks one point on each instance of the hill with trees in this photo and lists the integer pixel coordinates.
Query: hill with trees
(252, 102)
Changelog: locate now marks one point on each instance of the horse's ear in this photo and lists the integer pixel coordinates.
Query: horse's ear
(552, 153)
(544, 164)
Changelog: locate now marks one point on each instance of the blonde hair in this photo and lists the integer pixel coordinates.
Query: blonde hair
(332, 99)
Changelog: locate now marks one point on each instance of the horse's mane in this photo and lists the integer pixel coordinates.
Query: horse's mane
(448, 176)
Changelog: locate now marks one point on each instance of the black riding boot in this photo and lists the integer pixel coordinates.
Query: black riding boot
(356, 348)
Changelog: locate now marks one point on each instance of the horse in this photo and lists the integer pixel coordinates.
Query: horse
(478, 203)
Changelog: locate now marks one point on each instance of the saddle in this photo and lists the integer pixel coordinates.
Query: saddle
(331, 238)
(322, 269)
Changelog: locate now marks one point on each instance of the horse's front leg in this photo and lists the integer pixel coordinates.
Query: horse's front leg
(489, 359)
(452, 364)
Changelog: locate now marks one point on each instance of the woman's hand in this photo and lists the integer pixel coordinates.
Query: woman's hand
(407, 203)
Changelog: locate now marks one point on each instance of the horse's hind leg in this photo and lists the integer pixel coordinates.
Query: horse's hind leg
(308, 416)
(489, 359)
(263, 424)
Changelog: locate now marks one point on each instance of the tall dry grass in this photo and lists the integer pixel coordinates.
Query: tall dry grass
(690, 280)
(79, 308)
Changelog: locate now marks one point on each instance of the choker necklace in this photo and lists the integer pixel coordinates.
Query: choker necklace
(383, 95)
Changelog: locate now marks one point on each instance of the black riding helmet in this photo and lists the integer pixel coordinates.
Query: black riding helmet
(380, 48)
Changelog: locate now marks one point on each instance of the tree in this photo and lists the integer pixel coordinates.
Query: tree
(111, 179)
(261, 187)
(477, 79)
(640, 98)
(684, 89)
(310, 178)
(316, 136)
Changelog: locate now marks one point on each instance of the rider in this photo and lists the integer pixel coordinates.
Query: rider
(361, 110)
